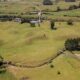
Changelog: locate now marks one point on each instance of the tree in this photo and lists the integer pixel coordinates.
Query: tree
(32, 24)
(52, 23)
(58, 8)
(72, 44)
(79, 5)
(73, 7)
(70, 22)
(51, 66)
(2, 65)
(47, 2)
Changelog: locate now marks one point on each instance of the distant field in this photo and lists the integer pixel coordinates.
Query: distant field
(19, 8)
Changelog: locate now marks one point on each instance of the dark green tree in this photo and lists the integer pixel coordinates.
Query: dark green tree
(72, 44)
(32, 24)
(2, 65)
(52, 24)
(47, 2)
(70, 22)
(58, 8)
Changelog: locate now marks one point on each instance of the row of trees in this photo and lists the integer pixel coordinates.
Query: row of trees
(50, 2)
(72, 7)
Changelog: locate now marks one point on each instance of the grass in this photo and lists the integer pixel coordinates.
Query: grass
(27, 45)
(7, 76)
(30, 41)
(46, 73)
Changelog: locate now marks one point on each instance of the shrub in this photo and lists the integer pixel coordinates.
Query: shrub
(52, 24)
(51, 66)
(79, 5)
(70, 22)
(32, 24)
(58, 8)
(2, 66)
(72, 44)
(58, 72)
(73, 7)
(47, 2)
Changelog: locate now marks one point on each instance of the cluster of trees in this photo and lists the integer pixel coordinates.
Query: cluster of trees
(7, 17)
(72, 44)
(72, 7)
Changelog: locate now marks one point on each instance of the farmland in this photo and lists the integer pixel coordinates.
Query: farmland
(26, 47)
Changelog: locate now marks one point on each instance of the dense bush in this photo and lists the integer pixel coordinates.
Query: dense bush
(73, 7)
(32, 24)
(47, 2)
(72, 44)
(70, 22)
(51, 66)
(52, 24)
(58, 8)
(2, 66)
(58, 72)
(79, 5)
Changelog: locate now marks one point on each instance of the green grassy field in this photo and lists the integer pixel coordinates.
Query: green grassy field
(23, 44)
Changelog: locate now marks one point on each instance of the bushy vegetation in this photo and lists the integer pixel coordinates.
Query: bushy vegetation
(2, 66)
(72, 44)
(70, 22)
(58, 8)
(52, 24)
